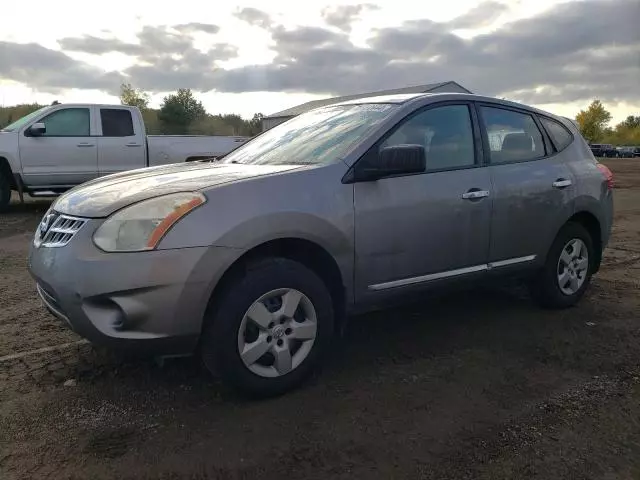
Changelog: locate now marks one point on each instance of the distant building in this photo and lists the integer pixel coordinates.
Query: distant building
(271, 121)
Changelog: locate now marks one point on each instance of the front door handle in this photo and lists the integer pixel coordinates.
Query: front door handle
(134, 144)
(561, 183)
(475, 194)
(84, 144)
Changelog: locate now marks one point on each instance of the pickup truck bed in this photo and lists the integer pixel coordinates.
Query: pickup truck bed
(166, 148)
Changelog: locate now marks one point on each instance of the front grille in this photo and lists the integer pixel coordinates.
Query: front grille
(56, 230)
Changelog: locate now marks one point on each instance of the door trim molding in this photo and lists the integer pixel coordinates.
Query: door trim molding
(511, 261)
(451, 273)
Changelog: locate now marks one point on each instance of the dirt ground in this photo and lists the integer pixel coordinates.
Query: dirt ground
(486, 388)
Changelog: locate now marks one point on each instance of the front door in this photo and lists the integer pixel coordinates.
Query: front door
(417, 230)
(65, 155)
(533, 188)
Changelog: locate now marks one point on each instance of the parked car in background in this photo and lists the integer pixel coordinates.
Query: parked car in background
(625, 152)
(60, 146)
(603, 150)
(255, 260)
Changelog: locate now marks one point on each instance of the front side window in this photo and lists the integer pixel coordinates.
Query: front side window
(116, 122)
(446, 134)
(70, 122)
(317, 137)
(513, 136)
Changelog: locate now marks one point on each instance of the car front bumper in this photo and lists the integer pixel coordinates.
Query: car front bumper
(150, 301)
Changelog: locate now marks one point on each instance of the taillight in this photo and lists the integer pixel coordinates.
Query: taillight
(607, 174)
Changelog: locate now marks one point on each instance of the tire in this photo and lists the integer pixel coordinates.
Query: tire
(221, 341)
(5, 192)
(546, 287)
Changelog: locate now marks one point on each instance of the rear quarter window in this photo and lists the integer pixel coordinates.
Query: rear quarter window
(559, 134)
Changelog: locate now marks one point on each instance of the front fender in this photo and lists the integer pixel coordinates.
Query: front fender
(12, 161)
(308, 204)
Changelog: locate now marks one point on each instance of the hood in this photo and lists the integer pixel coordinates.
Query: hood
(103, 196)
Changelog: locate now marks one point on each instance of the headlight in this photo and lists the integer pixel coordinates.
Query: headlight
(142, 226)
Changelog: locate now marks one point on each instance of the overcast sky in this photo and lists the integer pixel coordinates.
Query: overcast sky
(250, 57)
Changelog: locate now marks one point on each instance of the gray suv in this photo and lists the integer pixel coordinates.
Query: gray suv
(256, 260)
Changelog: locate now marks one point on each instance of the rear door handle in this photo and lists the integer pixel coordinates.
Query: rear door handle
(134, 144)
(475, 194)
(85, 144)
(561, 183)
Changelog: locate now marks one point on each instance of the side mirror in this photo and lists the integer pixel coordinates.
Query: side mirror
(390, 161)
(37, 130)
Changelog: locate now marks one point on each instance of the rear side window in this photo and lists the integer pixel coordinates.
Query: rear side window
(70, 122)
(559, 134)
(116, 122)
(513, 136)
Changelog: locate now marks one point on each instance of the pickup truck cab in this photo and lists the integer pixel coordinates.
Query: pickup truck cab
(60, 146)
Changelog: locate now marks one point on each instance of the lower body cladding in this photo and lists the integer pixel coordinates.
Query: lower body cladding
(145, 301)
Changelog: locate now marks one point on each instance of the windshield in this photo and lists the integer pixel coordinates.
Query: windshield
(318, 137)
(20, 122)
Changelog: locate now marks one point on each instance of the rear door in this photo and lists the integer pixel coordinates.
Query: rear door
(533, 188)
(65, 154)
(120, 141)
(416, 230)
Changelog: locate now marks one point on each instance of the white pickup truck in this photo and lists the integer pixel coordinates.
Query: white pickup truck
(61, 146)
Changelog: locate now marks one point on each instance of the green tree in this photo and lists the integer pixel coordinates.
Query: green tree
(210, 125)
(11, 114)
(632, 121)
(133, 97)
(255, 124)
(179, 111)
(593, 121)
(624, 133)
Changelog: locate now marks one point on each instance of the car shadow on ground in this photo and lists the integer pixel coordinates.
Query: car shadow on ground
(496, 323)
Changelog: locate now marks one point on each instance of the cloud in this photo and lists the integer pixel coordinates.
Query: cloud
(50, 70)
(256, 17)
(569, 52)
(153, 42)
(573, 51)
(167, 59)
(195, 27)
(99, 45)
(344, 15)
(480, 16)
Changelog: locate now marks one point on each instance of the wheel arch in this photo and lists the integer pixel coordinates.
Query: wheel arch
(308, 253)
(5, 170)
(591, 223)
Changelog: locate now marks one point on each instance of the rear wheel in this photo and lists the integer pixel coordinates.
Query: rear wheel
(269, 328)
(568, 268)
(5, 192)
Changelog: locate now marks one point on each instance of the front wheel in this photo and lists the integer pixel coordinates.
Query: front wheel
(269, 328)
(568, 268)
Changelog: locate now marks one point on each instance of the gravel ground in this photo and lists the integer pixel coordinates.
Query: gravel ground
(491, 387)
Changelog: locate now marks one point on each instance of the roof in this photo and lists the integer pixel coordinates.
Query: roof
(397, 98)
(292, 112)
